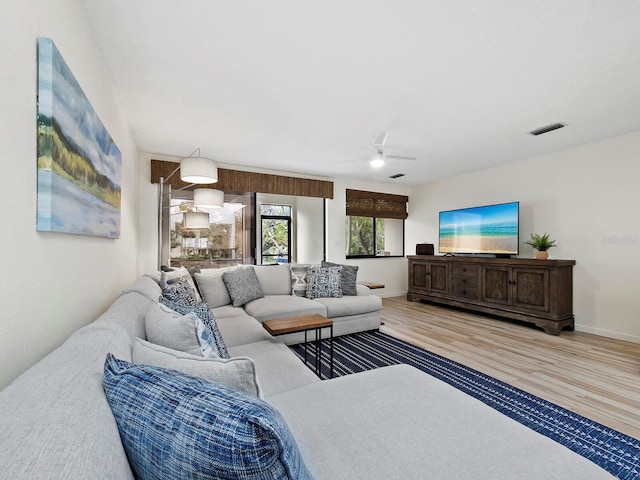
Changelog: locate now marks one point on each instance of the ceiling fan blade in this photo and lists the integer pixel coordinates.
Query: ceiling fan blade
(380, 141)
(352, 160)
(399, 157)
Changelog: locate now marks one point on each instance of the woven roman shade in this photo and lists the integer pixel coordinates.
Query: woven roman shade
(372, 204)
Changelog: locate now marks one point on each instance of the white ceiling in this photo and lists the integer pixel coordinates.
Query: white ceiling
(303, 86)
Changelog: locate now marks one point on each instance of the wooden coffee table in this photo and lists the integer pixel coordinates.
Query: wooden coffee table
(305, 323)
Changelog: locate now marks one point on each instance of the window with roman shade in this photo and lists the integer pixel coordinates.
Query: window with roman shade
(374, 224)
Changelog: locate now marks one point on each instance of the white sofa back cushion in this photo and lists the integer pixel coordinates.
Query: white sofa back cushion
(212, 287)
(274, 279)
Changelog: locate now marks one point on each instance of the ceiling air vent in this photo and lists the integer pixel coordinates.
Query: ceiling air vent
(398, 175)
(547, 129)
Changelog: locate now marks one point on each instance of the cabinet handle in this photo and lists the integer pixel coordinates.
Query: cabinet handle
(428, 273)
(464, 269)
(512, 282)
(464, 280)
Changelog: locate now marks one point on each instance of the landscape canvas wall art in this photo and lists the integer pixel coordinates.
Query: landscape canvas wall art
(79, 165)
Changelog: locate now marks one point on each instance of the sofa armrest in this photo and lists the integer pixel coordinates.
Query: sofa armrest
(363, 290)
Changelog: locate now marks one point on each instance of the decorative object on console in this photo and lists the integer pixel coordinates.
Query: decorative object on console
(79, 164)
(541, 243)
(424, 249)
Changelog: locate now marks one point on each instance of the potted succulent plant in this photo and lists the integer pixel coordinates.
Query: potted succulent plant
(541, 243)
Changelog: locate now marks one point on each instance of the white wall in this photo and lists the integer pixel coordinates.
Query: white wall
(587, 198)
(52, 284)
(392, 271)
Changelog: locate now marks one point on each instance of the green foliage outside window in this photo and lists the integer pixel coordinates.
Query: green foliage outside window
(365, 236)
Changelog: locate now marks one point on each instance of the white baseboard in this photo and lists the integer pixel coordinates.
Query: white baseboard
(389, 294)
(607, 333)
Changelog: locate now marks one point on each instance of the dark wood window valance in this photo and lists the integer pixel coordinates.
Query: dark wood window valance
(372, 204)
(239, 181)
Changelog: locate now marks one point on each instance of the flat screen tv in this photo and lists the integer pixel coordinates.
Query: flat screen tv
(489, 229)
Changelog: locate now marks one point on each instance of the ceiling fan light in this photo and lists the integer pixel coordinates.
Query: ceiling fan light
(208, 197)
(377, 161)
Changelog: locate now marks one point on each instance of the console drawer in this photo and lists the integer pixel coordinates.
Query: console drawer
(465, 290)
(465, 269)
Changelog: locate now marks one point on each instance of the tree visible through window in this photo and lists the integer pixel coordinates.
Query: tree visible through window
(365, 236)
(276, 233)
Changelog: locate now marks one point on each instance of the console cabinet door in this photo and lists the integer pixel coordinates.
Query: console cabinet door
(437, 277)
(418, 276)
(531, 288)
(496, 285)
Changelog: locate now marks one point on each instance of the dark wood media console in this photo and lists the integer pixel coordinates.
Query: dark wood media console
(535, 291)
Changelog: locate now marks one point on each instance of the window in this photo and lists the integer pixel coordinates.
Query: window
(276, 233)
(222, 244)
(374, 224)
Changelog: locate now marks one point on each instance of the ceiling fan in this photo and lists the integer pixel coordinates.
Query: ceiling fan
(378, 159)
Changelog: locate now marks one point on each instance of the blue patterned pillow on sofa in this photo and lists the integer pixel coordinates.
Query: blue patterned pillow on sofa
(180, 292)
(173, 425)
(324, 282)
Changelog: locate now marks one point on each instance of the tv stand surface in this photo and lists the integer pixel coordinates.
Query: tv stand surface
(529, 290)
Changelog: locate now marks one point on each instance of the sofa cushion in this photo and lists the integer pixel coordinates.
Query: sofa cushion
(299, 278)
(274, 279)
(348, 305)
(55, 420)
(278, 370)
(174, 425)
(171, 329)
(324, 282)
(242, 285)
(241, 330)
(145, 285)
(180, 274)
(185, 332)
(348, 277)
(212, 287)
(228, 311)
(398, 422)
(238, 373)
(281, 306)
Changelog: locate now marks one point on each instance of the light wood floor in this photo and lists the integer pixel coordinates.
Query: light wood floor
(594, 376)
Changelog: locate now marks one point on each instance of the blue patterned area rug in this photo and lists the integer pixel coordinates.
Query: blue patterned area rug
(613, 451)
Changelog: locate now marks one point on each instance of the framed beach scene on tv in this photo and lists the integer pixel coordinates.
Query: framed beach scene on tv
(79, 164)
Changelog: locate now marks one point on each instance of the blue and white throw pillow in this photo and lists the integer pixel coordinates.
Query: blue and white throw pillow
(169, 277)
(173, 425)
(179, 292)
(324, 282)
(211, 342)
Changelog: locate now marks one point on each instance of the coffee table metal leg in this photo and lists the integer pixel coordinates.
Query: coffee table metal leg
(331, 351)
(318, 352)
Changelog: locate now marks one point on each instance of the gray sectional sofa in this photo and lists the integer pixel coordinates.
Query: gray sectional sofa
(350, 314)
(390, 423)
